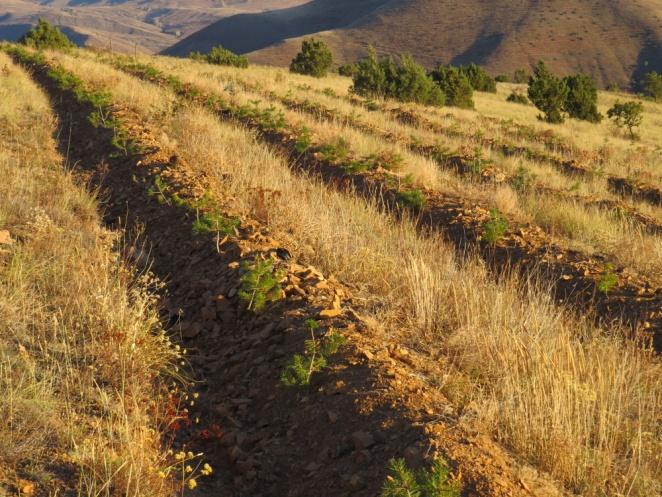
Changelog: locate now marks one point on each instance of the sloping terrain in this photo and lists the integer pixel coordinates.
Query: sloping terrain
(125, 25)
(613, 40)
(521, 362)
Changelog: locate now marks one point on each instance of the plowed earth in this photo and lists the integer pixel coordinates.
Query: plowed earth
(333, 438)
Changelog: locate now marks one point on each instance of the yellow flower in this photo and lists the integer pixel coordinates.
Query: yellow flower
(188, 469)
(206, 470)
(161, 474)
(179, 456)
(192, 483)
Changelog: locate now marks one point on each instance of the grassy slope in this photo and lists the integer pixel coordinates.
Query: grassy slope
(82, 360)
(549, 386)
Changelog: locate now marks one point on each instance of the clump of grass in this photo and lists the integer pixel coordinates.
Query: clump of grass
(301, 367)
(495, 228)
(435, 482)
(260, 284)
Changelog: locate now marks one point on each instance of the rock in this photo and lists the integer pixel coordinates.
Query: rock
(236, 454)
(362, 457)
(362, 440)
(5, 238)
(208, 313)
(333, 417)
(330, 313)
(191, 330)
(356, 481)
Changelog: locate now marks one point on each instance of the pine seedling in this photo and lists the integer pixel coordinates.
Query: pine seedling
(301, 367)
(495, 228)
(260, 284)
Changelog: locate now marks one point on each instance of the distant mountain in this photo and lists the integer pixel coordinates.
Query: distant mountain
(615, 41)
(126, 25)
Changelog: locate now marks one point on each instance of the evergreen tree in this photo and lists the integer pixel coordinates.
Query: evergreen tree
(314, 59)
(582, 100)
(455, 86)
(548, 93)
(46, 36)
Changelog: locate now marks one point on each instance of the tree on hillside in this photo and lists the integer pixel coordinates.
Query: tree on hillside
(521, 76)
(582, 99)
(221, 56)
(403, 79)
(46, 36)
(479, 79)
(548, 93)
(314, 59)
(627, 115)
(653, 85)
(455, 86)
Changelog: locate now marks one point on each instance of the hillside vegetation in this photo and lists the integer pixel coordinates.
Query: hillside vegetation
(613, 41)
(346, 269)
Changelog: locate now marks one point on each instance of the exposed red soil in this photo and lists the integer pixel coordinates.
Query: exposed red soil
(375, 402)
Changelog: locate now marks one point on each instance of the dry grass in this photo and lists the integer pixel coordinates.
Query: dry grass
(571, 223)
(83, 359)
(578, 401)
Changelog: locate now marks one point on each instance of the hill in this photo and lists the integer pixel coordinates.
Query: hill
(612, 40)
(126, 25)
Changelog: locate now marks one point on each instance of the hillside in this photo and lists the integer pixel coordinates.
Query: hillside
(610, 39)
(225, 281)
(126, 25)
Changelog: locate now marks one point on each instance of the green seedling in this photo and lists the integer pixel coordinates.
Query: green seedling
(435, 482)
(260, 284)
(495, 228)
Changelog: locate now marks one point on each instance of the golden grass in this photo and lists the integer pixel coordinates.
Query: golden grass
(579, 227)
(83, 359)
(578, 401)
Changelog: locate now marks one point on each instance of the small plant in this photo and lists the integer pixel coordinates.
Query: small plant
(517, 97)
(46, 36)
(303, 140)
(314, 359)
(627, 115)
(608, 280)
(495, 228)
(347, 70)
(221, 56)
(214, 223)
(435, 482)
(478, 163)
(314, 59)
(157, 190)
(521, 76)
(523, 179)
(260, 284)
(334, 151)
(413, 199)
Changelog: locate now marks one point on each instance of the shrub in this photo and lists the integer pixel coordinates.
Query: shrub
(548, 93)
(46, 36)
(518, 98)
(315, 357)
(608, 280)
(478, 78)
(627, 115)
(314, 59)
(582, 99)
(347, 70)
(260, 284)
(404, 80)
(455, 85)
(495, 228)
(403, 482)
(653, 85)
(221, 56)
(521, 76)
(502, 78)
(414, 199)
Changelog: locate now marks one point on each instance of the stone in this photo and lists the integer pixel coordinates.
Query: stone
(362, 440)
(5, 238)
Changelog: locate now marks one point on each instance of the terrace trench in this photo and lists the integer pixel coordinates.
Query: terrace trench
(573, 276)
(334, 438)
